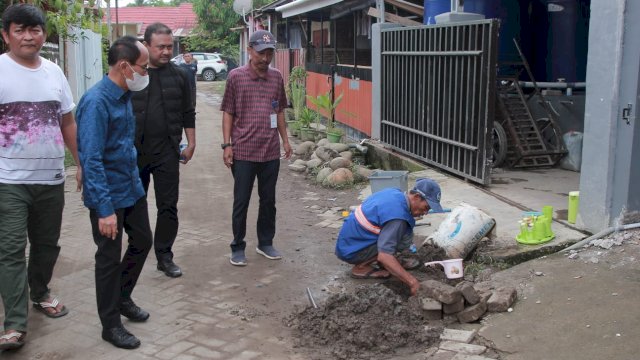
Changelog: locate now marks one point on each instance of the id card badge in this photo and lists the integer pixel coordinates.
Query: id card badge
(274, 121)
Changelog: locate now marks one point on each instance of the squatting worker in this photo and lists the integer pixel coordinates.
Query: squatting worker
(253, 117)
(163, 110)
(383, 226)
(113, 191)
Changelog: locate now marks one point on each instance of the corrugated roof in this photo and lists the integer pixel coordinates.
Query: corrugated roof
(181, 19)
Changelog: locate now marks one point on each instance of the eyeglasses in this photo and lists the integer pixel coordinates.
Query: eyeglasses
(144, 68)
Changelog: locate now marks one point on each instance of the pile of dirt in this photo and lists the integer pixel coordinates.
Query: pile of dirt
(373, 322)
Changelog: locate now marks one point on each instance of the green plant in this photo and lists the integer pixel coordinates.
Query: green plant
(306, 117)
(296, 89)
(323, 102)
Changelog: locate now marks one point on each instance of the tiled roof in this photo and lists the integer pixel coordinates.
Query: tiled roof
(181, 19)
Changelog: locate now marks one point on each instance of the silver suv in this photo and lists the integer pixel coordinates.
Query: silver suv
(210, 65)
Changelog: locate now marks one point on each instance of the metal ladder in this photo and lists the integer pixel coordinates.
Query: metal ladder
(532, 144)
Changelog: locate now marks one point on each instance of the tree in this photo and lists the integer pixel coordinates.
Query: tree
(61, 15)
(215, 19)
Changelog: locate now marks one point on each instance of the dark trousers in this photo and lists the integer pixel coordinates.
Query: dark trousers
(116, 277)
(32, 212)
(165, 169)
(244, 175)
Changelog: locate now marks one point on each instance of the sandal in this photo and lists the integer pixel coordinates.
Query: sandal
(43, 306)
(372, 274)
(7, 343)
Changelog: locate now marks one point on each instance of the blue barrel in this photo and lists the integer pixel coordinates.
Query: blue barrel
(514, 24)
(563, 20)
(433, 8)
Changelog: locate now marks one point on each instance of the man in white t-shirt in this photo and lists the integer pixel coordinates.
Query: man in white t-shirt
(36, 123)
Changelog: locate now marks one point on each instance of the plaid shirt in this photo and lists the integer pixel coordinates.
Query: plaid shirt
(250, 99)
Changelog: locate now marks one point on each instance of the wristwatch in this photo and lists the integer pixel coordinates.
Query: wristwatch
(225, 145)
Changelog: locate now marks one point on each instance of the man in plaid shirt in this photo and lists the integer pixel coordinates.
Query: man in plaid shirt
(253, 119)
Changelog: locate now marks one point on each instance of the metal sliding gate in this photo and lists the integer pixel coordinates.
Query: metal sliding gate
(438, 93)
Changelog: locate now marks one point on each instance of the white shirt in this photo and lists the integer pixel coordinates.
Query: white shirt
(32, 102)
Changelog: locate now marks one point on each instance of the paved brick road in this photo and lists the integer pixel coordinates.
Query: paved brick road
(215, 311)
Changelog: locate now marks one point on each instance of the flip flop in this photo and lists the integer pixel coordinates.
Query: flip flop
(372, 274)
(43, 306)
(12, 345)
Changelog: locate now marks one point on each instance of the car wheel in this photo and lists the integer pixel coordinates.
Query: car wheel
(209, 75)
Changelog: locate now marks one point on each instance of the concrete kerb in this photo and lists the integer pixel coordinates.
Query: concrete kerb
(503, 246)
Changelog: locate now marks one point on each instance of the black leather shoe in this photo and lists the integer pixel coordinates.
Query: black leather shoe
(133, 312)
(169, 268)
(119, 337)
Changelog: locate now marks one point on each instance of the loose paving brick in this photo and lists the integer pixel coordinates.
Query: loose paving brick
(472, 313)
(430, 304)
(442, 292)
(456, 307)
(470, 349)
(463, 336)
(468, 292)
(469, 357)
(501, 299)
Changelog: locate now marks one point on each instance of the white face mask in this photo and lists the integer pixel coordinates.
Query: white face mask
(139, 82)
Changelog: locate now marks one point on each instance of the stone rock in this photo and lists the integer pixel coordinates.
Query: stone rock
(314, 163)
(456, 307)
(323, 142)
(468, 292)
(326, 154)
(314, 156)
(297, 168)
(362, 173)
(472, 313)
(305, 148)
(300, 162)
(442, 292)
(340, 162)
(502, 299)
(337, 147)
(347, 155)
(339, 177)
(323, 174)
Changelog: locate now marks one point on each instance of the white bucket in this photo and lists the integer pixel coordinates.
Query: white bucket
(452, 267)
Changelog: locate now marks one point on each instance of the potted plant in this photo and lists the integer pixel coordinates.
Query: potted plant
(304, 121)
(324, 103)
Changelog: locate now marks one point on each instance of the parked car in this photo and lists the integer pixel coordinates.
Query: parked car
(211, 66)
(231, 64)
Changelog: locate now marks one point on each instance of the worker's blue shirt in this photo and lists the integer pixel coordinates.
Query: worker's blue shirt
(106, 131)
(380, 208)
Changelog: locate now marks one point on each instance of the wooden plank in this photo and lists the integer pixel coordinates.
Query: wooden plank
(407, 6)
(393, 18)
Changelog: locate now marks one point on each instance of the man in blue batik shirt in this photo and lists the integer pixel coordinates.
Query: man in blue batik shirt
(383, 226)
(113, 191)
